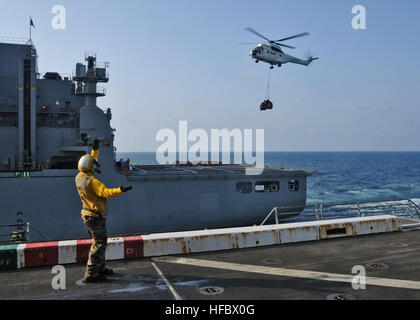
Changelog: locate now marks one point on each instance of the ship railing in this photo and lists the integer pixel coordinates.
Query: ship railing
(21, 234)
(102, 64)
(14, 40)
(405, 208)
(101, 90)
(103, 76)
(70, 143)
(66, 76)
(8, 122)
(57, 123)
(18, 232)
(63, 76)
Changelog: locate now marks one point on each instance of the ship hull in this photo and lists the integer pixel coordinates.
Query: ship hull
(50, 203)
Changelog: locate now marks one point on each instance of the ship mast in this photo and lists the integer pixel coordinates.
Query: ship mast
(87, 79)
(94, 122)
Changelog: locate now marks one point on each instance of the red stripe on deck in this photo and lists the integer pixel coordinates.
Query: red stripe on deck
(133, 247)
(41, 254)
(83, 248)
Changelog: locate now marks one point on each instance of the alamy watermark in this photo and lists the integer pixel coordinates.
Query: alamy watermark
(58, 22)
(359, 281)
(359, 20)
(58, 281)
(219, 144)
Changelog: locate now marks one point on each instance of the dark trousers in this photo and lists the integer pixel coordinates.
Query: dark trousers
(97, 231)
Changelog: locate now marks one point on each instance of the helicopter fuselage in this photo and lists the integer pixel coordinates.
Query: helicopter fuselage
(273, 55)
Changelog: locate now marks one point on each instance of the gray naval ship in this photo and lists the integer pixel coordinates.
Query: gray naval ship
(47, 122)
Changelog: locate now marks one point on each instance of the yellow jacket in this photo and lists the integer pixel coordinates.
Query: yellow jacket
(93, 193)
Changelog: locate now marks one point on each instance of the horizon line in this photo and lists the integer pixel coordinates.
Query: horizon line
(299, 151)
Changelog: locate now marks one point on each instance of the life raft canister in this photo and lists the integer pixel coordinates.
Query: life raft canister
(267, 104)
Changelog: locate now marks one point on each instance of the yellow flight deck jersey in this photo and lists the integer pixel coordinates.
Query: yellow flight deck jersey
(93, 193)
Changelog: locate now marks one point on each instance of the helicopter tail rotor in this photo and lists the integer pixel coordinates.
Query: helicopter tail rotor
(309, 57)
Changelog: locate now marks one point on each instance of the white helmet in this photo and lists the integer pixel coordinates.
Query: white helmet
(87, 162)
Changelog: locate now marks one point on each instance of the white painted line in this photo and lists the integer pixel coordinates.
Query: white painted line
(168, 284)
(304, 274)
(144, 171)
(220, 169)
(187, 170)
(132, 289)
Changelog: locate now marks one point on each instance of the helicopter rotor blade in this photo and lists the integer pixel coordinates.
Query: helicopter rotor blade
(284, 45)
(269, 42)
(258, 34)
(295, 36)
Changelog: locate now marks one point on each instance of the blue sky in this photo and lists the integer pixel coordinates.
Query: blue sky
(182, 60)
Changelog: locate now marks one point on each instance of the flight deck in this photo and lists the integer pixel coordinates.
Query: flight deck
(317, 270)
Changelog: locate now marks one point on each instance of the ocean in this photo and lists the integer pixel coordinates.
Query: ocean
(342, 176)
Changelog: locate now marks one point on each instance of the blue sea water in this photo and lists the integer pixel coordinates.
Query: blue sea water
(342, 176)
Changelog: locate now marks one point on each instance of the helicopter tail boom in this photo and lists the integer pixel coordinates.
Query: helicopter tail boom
(308, 62)
(302, 62)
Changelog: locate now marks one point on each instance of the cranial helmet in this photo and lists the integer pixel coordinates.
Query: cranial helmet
(87, 162)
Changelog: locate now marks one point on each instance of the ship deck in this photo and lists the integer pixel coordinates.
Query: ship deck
(210, 170)
(289, 271)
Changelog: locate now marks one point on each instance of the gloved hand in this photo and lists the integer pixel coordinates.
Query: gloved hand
(125, 189)
(95, 144)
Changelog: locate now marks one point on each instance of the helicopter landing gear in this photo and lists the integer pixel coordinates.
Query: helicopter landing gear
(256, 61)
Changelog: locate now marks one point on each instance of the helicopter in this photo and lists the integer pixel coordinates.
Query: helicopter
(271, 52)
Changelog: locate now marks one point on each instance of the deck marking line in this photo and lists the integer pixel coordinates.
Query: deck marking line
(168, 284)
(292, 273)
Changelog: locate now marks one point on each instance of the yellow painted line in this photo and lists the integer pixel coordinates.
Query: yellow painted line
(168, 284)
(303, 274)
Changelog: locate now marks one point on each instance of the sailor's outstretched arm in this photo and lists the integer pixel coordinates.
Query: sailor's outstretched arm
(102, 191)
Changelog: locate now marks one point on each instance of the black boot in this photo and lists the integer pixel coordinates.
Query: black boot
(99, 278)
(107, 271)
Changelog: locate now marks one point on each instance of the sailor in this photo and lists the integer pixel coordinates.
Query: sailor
(94, 195)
